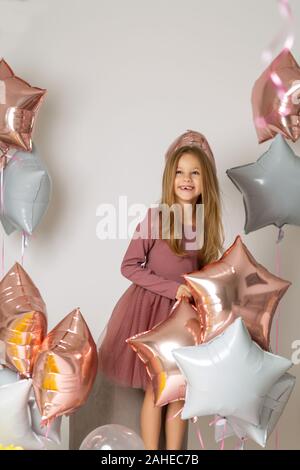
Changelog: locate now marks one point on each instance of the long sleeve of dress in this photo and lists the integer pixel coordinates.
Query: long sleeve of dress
(143, 276)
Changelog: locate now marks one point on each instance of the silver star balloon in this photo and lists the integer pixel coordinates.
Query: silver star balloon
(270, 187)
(26, 192)
(229, 375)
(273, 408)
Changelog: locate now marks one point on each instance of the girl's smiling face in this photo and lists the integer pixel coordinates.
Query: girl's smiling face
(188, 180)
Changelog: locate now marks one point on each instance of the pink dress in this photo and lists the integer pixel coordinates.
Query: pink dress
(156, 273)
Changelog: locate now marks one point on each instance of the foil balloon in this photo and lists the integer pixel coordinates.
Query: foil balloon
(19, 104)
(26, 192)
(15, 425)
(112, 437)
(273, 407)
(154, 348)
(23, 321)
(7, 376)
(52, 432)
(236, 285)
(277, 168)
(65, 368)
(229, 376)
(276, 99)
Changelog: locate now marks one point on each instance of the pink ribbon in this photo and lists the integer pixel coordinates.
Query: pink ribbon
(277, 324)
(199, 435)
(285, 36)
(175, 415)
(194, 420)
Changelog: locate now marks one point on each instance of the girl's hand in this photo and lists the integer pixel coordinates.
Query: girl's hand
(183, 291)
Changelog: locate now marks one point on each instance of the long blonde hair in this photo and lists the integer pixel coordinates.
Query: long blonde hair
(214, 232)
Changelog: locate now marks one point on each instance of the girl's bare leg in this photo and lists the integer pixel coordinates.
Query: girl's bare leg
(150, 421)
(175, 427)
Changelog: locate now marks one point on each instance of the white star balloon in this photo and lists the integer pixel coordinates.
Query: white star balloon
(229, 375)
(273, 407)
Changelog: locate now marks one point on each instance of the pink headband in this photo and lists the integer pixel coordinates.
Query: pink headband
(192, 139)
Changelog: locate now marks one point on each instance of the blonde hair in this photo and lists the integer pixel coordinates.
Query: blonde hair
(214, 232)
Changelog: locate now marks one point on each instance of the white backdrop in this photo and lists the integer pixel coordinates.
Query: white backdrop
(124, 78)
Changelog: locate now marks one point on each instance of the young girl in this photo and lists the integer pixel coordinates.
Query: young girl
(155, 266)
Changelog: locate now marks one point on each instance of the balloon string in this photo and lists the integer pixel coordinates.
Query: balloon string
(278, 274)
(277, 324)
(23, 248)
(48, 426)
(199, 435)
(24, 245)
(241, 444)
(286, 35)
(214, 421)
(194, 420)
(2, 258)
(175, 415)
(223, 435)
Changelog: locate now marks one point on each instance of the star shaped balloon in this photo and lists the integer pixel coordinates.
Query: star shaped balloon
(65, 367)
(229, 375)
(154, 348)
(26, 192)
(276, 99)
(236, 285)
(270, 187)
(273, 407)
(15, 423)
(19, 104)
(23, 320)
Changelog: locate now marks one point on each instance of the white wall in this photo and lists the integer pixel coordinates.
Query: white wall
(124, 78)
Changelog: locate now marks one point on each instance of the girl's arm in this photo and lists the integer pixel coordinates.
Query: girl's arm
(142, 276)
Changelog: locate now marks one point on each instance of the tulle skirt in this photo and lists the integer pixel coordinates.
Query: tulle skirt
(136, 311)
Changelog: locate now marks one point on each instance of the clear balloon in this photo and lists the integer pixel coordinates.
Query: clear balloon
(23, 320)
(26, 192)
(229, 376)
(276, 99)
(65, 367)
(154, 348)
(112, 437)
(263, 183)
(19, 104)
(236, 285)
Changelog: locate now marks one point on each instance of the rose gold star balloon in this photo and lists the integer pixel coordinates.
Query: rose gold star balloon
(276, 99)
(19, 103)
(65, 368)
(23, 321)
(154, 348)
(234, 286)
